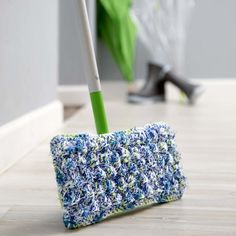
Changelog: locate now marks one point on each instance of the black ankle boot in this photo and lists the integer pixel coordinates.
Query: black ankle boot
(192, 91)
(154, 87)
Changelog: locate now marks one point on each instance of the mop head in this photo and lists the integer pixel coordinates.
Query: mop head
(101, 175)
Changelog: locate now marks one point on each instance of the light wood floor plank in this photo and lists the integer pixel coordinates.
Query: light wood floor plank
(206, 138)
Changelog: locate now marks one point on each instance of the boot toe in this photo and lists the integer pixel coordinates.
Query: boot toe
(198, 90)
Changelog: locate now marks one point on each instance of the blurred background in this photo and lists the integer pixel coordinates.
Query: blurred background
(41, 40)
(41, 51)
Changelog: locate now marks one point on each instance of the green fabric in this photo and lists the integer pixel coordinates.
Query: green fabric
(99, 112)
(118, 32)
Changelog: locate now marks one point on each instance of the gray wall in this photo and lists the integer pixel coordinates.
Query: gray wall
(71, 68)
(210, 49)
(28, 56)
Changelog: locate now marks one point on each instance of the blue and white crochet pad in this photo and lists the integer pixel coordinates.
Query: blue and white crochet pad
(101, 175)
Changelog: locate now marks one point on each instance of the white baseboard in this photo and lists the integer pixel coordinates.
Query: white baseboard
(73, 95)
(19, 136)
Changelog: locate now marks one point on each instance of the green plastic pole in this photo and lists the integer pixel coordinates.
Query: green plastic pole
(99, 112)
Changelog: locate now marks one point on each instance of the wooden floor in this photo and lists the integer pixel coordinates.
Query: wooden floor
(206, 136)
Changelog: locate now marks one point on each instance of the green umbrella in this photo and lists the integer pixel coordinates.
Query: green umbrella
(118, 32)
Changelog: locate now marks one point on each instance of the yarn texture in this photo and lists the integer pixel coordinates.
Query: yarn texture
(101, 175)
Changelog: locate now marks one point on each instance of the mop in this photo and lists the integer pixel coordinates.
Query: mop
(103, 175)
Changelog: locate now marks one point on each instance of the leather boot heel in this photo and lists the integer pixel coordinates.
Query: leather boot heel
(153, 89)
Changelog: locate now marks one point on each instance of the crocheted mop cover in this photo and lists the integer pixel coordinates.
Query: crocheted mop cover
(101, 175)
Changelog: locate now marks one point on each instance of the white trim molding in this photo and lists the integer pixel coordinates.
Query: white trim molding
(73, 95)
(21, 135)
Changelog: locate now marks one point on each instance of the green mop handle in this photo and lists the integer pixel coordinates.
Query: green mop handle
(93, 81)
